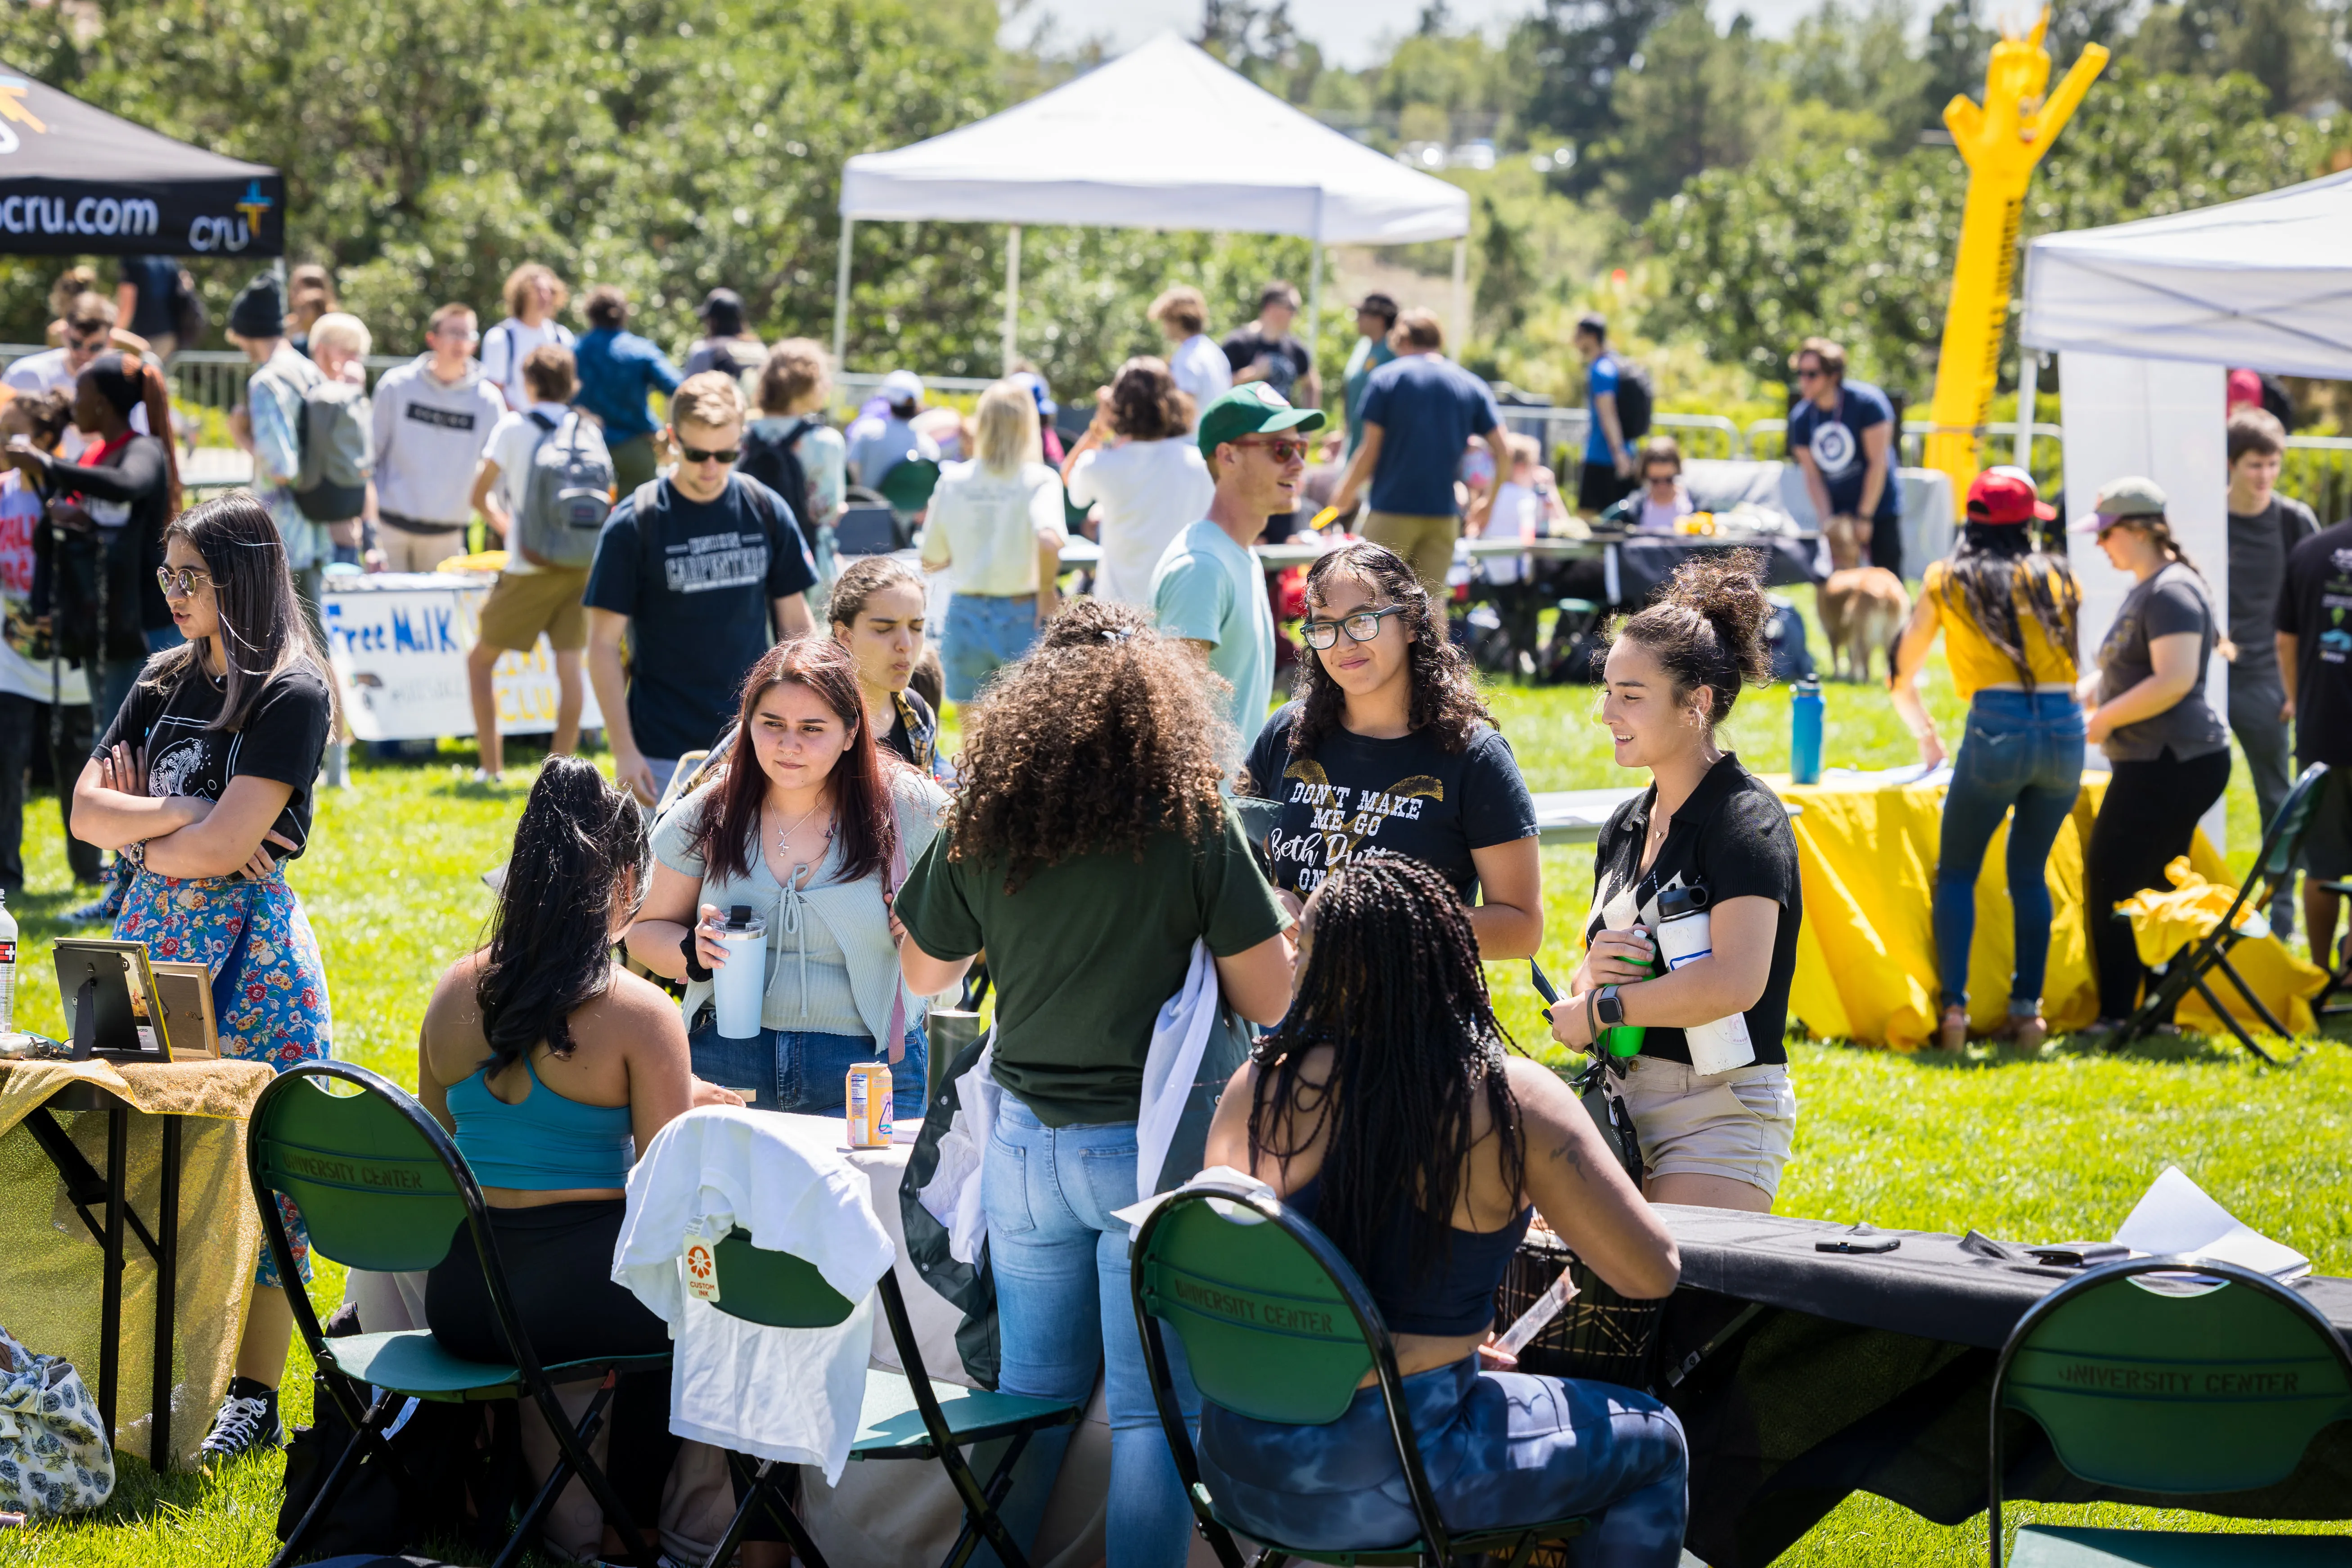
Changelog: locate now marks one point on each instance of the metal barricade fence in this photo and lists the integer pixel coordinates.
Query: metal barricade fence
(1700, 434)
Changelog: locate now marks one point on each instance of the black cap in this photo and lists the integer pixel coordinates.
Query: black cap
(722, 312)
(259, 309)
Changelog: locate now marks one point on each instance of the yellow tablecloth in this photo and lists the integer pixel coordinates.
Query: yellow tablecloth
(1867, 958)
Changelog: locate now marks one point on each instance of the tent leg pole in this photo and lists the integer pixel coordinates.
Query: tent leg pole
(1315, 299)
(841, 294)
(2029, 375)
(1461, 295)
(1012, 297)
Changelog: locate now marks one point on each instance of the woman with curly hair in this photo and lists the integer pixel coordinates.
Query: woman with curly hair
(1387, 749)
(1138, 466)
(1088, 852)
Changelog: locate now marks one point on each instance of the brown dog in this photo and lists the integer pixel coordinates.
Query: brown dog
(1862, 607)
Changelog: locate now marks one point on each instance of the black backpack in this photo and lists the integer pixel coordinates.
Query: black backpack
(772, 461)
(1634, 400)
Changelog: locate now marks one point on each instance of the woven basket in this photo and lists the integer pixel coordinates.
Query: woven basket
(1600, 1336)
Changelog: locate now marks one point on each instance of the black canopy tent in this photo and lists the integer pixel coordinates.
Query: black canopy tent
(76, 181)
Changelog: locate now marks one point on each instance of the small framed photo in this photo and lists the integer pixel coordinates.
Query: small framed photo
(191, 1027)
(111, 1008)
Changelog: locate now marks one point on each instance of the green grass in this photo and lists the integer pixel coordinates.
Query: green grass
(2046, 1148)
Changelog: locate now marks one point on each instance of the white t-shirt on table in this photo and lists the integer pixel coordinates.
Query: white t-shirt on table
(507, 344)
(986, 524)
(1149, 491)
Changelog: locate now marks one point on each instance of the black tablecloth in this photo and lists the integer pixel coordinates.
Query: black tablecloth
(1643, 564)
(1873, 1374)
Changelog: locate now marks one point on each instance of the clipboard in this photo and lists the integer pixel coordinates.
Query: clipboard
(183, 993)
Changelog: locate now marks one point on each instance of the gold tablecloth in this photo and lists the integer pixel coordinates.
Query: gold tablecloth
(52, 1268)
(1867, 957)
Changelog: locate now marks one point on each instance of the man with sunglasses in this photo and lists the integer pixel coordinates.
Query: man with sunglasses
(704, 570)
(1208, 588)
(1841, 434)
(89, 331)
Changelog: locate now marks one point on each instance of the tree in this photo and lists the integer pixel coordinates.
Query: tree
(2288, 45)
(1572, 52)
(1860, 62)
(1700, 101)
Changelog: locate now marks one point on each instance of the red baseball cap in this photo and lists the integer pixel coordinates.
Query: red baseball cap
(2006, 495)
(2245, 390)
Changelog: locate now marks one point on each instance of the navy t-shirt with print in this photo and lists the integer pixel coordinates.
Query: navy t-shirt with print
(1834, 439)
(283, 737)
(696, 582)
(1360, 795)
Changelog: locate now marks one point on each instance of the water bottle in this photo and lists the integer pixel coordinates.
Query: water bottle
(7, 968)
(1805, 732)
(1625, 1039)
(742, 981)
(1684, 936)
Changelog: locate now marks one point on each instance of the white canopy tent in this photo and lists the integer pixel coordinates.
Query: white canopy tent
(1163, 137)
(2150, 316)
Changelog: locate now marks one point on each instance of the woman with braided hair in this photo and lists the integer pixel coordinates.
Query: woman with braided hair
(1717, 1136)
(1089, 852)
(1389, 1109)
(2006, 605)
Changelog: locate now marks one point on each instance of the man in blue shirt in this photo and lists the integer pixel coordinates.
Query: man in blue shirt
(617, 370)
(1841, 435)
(1607, 477)
(1420, 411)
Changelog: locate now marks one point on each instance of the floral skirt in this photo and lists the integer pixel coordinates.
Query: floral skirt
(269, 988)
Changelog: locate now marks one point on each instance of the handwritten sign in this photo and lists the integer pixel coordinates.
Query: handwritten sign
(398, 642)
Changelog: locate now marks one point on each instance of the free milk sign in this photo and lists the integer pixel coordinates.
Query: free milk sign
(398, 642)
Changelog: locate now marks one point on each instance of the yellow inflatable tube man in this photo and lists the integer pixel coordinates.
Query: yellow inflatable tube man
(2001, 143)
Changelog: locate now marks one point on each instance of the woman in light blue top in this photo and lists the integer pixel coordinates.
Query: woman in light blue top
(553, 1065)
(812, 827)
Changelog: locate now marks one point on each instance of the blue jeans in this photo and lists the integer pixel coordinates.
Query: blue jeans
(2022, 750)
(1063, 1309)
(984, 634)
(800, 1070)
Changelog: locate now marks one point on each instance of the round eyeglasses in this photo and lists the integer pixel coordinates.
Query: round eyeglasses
(182, 582)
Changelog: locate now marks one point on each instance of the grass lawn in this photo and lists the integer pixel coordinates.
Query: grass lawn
(2055, 1146)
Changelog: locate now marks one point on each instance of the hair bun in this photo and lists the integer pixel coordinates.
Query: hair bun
(1728, 588)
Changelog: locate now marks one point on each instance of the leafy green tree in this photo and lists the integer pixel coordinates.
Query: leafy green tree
(1571, 53)
(2288, 45)
(1701, 99)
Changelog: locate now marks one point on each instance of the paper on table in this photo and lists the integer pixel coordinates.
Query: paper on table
(2175, 1215)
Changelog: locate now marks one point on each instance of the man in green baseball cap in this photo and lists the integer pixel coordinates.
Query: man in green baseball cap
(1209, 589)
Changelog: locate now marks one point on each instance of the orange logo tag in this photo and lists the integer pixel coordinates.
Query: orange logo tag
(701, 1270)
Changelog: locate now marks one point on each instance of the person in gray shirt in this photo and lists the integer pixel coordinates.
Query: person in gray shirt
(2263, 527)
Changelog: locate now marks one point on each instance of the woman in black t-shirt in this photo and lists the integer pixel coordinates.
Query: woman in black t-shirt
(1388, 749)
(203, 780)
(1716, 1138)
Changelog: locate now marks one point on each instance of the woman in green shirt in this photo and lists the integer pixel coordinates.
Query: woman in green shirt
(1088, 852)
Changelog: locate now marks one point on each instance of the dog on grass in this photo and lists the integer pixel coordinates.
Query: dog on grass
(1862, 607)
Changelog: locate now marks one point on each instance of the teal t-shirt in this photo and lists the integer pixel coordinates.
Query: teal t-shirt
(1209, 589)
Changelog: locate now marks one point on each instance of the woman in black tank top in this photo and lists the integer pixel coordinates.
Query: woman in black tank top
(1387, 1107)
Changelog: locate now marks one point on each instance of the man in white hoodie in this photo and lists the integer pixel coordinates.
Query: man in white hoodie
(433, 421)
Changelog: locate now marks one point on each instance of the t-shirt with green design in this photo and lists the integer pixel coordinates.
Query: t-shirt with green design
(1084, 954)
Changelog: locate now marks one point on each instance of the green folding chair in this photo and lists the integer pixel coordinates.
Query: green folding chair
(382, 1186)
(2162, 1388)
(905, 1415)
(2272, 868)
(1277, 1326)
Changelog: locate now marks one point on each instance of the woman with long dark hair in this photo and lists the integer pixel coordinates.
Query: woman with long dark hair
(1388, 748)
(1088, 852)
(2006, 604)
(813, 827)
(203, 782)
(1389, 1109)
(1709, 1089)
(553, 1065)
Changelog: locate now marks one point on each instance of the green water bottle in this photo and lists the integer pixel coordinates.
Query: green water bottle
(1625, 1039)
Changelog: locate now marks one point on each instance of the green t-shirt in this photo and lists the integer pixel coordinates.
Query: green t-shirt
(1086, 953)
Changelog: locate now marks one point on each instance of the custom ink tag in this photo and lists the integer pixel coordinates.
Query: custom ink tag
(701, 1269)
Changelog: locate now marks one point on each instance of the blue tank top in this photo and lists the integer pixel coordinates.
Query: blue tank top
(546, 1143)
(1455, 1295)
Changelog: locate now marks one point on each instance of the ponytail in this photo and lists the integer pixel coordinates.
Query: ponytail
(2159, 533)
(1707, 627)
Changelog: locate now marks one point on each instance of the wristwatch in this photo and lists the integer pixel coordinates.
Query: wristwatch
(1610, 1008)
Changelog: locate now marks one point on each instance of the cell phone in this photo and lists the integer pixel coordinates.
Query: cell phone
(1859, 1243)
(1542, 983)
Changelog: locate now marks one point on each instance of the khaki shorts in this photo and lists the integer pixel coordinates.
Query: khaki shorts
(1738, 1125)
(406, 551)
(1427, 546)
(544, 599)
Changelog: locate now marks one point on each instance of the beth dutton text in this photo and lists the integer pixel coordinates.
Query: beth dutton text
(1343, 821)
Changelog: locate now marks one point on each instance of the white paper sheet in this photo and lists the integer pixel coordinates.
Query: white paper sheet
(2175, 1215)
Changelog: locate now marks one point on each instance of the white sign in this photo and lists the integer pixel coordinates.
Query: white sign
(398, 643)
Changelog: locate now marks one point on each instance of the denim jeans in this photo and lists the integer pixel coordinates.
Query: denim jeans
(2022, 750)
(800, 1070)
(984, 634)
(1063, 1309)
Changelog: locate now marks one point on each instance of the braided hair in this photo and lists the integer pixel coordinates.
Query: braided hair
(1392, 985)
(1996, 566)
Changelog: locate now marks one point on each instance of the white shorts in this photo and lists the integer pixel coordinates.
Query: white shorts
(1739, 1124)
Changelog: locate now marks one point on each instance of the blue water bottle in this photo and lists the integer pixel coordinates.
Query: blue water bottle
(1805, 732)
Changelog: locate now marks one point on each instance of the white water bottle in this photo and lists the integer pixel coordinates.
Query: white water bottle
(7, 968)
(1684, 936)
(742, 983)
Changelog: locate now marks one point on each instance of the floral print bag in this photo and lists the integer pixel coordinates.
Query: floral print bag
(53, 1453)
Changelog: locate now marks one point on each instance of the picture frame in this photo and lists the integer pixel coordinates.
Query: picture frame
(191, 1025)
(108, 990)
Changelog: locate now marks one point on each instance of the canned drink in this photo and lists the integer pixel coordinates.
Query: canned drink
(868, 1095)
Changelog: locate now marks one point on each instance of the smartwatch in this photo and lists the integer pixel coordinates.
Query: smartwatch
(1610, 1008)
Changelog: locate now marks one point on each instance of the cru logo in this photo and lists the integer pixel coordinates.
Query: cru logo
(210, 233)
(14, 113)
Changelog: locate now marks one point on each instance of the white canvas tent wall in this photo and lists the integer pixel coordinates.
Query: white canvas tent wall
(1163, 137)
(2149, 317)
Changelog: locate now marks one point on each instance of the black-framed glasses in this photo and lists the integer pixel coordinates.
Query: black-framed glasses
(1361, 626)
(181, 582)
(697, 455)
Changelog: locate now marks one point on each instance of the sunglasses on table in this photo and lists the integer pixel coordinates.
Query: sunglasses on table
(1361, 626)
(1282, 451)
(179, 582)
(697, 455)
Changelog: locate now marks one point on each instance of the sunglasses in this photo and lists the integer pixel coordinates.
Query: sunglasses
(1814, 374)
(1282, 451)
(697, 455)
(1361, 626)
(183, 582)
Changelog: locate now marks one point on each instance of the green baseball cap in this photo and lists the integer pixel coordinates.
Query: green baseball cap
(1253, 408)
(2119, 499)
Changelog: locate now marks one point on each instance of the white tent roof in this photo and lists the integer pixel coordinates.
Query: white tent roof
(2265, 282)
(1163, 137)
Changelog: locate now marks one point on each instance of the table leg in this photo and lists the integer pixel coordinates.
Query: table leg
(167, 1291)
(109, 1309)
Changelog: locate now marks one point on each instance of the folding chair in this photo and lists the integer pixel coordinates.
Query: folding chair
(382, 1186)
(1277, 1326)
(2274, 869)
(905, 1417)
(2173, 1388)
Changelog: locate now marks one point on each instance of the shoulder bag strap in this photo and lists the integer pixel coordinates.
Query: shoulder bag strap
(897, 874)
